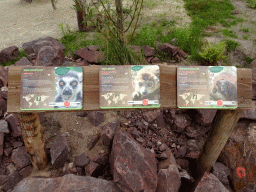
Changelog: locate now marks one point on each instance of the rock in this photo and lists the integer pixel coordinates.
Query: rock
(34, 46)
(23, 62)
(192, 145)
(164, 164)
(183, 163)
(101, 159)
(1, 145)
(148, 51)
(50, 56)
(81, 160)
(8, 151)
(9, 54)
(169, 49)
(182, 54)
(168, 180)
(14, 124)
(133, 167)
(249, 188)
(3, 179)
(91, 168)
(93, 47)
(140, 140)
(150, 116)
(81, 114)
(210, 183)
(66, 183)
(155, 60)
(181, 122)
(17, 144)
(3, 106)
(160, 120)
(205, 116)
(148, 59)
(181, 152)
(162, 147)
(162, 156)
(93, 141)
(108, 132)
(3, 94)
(197, 131)
(193, 155)
(90, 56)
(96, 117)
(221, 172)
(4, 126)
(134, 132)
(59, 151)
(136, 49)
(41, 117)
(13, 179)
(26, 171)
(20, 157)
(3, 76)
(251, 113)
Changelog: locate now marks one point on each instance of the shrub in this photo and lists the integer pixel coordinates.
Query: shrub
(211, 54)
(231, 45)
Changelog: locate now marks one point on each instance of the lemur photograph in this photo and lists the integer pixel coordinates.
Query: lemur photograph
(147, 84)
(69, 88)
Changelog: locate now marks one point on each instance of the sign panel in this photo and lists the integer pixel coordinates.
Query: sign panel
(207, 87)
(129, 86)
(51, 88)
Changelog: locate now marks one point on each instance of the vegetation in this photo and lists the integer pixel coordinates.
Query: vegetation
(251, 3)
(231, 45)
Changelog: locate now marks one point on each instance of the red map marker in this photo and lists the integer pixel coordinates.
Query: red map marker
(145, 102)
(220, 102)
(66, 103)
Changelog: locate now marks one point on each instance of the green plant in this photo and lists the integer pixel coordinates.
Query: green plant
(244, 30)
(252, 3)
(248, 60)
(211, 54)
(64, 30)
(22, 54)
(229, 33)
(231, 45)
(246, 37)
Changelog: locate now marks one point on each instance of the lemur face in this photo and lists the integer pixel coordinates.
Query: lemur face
(147, 83)
(68, 86)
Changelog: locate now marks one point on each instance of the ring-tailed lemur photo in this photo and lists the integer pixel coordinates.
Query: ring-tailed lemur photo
(147, 84)
(69, 87)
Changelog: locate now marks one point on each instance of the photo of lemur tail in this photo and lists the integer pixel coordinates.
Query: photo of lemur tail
(224, 90)
(69, 87)
(147, 84)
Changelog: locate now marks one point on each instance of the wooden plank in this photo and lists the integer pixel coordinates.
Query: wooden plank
(223, 125)
(168, 88)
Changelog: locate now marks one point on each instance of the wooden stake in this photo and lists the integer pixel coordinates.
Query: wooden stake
(223, 125)
(33, 139)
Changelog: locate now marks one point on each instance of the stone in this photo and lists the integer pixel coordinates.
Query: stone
(93, 47)
(50, 56)
(59, 151)
(108, 132)
(3, 94)
(205, 116)
(81, 114)
(181, 122)
(4, 126)
(3, 179)
(174, 41)
(14, 125)
(3, 76)
(249, 188)
(9, 54)
(169, 49)
(162, 156)
(93, 141)
(26, 171)
(91, 168)
(162, 147)
(210, 183)
(35, 45)
(1, 144)
(196, 131)
(96, 117)
(134, 132)
(181, 152)
(221, 172)
(101, 159)
(136, 49)
(148, 51)
(81, 160)
(182, 54)
(251, 113)
(192, 145)
(66, 183)
(3, 106)
(160, 120)
(168, 179)
(148, 59)
(13, 179)
(17, 144)
(193, 155)
(90, 56)
(140, 140)
(155, 60)
(20, 157)
(8, 151)
(183, 163)
(133, 167)
(164, 164)
(150, 116)
(23, 62)
(42, 117)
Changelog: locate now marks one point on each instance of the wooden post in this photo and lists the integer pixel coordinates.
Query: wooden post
(223, 124)
(33, 139)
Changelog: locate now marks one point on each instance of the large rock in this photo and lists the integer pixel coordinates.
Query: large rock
(35, 45)
(101, 159)
(181, 122)
(169, 49)
(20, 157)
(59, 151)
(108, 132)
(23, 62)
(205, 116)
(12, 180)
(148, 51)
(221, 172)
(8, 54)
(209, 182)
(96, 117)
(133, 167)
(239, 154)
(169, 180)
(251, 113)
(14, 124)
(90, 56)
(67, 183)
(164, 164)
(150, 116)
(81, 160)
(4, 126)
(50, 56)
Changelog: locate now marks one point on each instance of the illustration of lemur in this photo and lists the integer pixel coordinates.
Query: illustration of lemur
(69, 87)
(224, 90)
(147, 84)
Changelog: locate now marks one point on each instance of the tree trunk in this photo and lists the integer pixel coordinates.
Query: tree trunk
(81, 15)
